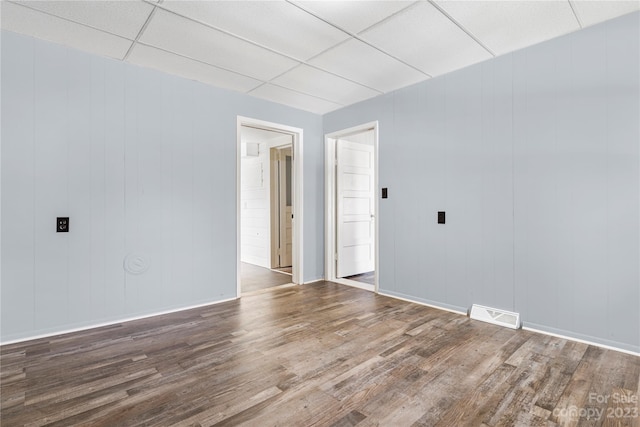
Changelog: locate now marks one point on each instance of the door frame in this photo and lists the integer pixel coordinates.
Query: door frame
(297, 276)
(330, 204)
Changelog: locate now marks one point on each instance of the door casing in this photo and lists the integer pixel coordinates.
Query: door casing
(330, 204)
(297, 144)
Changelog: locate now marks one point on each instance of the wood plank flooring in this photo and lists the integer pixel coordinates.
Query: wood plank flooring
(254, 278)
(314, 355)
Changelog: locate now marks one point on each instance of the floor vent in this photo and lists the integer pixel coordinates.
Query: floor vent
(495, 316)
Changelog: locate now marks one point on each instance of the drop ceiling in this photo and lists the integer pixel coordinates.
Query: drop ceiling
(313, 55)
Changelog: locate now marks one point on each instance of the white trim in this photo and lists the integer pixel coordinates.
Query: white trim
(114, 322)
(496, 316)
(437, 307)
(330, 208)
(607, 347)
(273, 210)
(298, 185)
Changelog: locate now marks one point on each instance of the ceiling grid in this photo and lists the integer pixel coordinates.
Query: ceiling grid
(310, 54)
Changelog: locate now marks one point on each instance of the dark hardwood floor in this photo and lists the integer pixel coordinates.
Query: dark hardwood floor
(254, 278)
(321, 354)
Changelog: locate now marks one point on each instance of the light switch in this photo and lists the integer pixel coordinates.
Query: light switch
(440, 217)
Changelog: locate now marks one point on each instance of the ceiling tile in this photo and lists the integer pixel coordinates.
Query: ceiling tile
(174, 64)
(277, 25)
(423, 37)
(361, 63)
(180, 35)
(319, 83)
(123, 18)
(592, 12)
(40, 25)
(505, 26)
(354, 16)
(294, 99)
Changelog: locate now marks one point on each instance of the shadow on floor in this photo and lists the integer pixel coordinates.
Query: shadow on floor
(368, 277)
(288, 270)
(254, 278)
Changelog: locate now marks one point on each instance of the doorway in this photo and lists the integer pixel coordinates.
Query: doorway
(256, 141)
(351, 217)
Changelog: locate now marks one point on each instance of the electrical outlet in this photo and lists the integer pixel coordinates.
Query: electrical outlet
(62, 224)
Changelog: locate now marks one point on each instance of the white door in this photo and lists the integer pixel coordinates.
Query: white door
(355, 239)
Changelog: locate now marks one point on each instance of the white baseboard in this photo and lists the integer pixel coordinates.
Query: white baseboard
(281, 272)
(451, 310)
(111, 322)
(526, 328)
(595, 344)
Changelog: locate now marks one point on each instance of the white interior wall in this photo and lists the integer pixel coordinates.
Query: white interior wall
(255, 231)
(256, 202)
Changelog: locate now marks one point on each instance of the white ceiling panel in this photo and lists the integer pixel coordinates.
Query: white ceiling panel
(40, 25)
(423, 37)
(505, 26)
(174, 64)
(354, 16)
(294, 99)
(176, 34)
(592, 12)
(123, 18)
(319, 83)
(275, 24)
(361, 63)
(300, 52)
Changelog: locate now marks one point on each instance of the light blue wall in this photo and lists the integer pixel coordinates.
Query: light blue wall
(535, 158)
(142, 162)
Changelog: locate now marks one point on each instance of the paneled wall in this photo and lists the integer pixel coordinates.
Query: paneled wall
(534, 156)
(143, 163)
(255, 202)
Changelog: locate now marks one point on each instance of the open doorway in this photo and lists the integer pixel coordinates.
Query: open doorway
(269, 205)
(351, 217)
